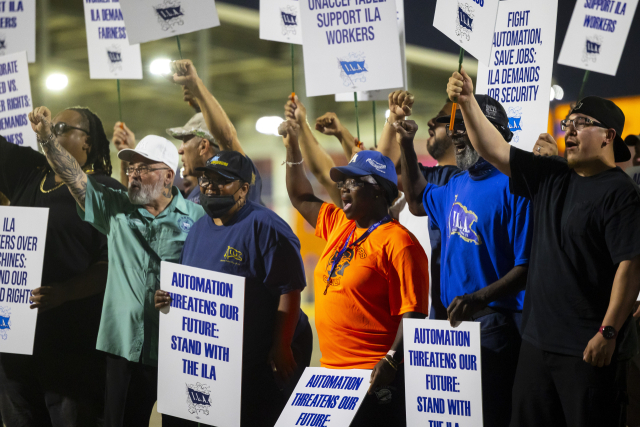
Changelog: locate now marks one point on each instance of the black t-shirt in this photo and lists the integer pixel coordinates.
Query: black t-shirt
(72, 246)
(583, 228)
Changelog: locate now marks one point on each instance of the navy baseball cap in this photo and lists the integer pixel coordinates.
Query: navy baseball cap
(493, 111)
(366, 163)
(231, 165)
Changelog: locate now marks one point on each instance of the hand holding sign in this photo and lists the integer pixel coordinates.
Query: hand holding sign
(295, 110)
(460, 87)
(40, 119)
(401, 103)
(123, 137)
(47, 297)
(161, 299)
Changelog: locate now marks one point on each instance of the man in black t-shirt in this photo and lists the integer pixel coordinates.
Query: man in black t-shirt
(584, 273)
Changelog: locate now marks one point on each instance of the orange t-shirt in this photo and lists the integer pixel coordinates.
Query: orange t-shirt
(374, 284)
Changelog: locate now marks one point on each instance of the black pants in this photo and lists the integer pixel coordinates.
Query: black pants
(556, 390)
(372, 413)
(51, 390)
(262, 400)
(131, 392)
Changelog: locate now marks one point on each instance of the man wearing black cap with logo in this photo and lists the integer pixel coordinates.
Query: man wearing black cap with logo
(585, 264)
(486, 241)
(241, 237)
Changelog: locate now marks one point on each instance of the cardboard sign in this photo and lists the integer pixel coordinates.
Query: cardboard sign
(110, 54)
(383, 94)
(521, 67)
(18, 27)
(200, 345)
(443, 377)
(15, 100)
(326, 397)
(469, 23)
(280, 21)
(597, 34)
(148, 20)
(350, 47)
(22, 239)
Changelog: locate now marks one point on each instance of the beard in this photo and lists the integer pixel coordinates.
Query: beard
(143, 194)
(468, 157)
(439, 146)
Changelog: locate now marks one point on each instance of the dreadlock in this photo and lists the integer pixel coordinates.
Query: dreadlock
(99, 157)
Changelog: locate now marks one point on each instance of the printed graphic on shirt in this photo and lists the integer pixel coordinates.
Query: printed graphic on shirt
(232, 255)
(345, 262)
(460, 222)
(185, 223)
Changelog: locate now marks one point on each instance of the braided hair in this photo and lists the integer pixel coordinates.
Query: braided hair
(99, 157)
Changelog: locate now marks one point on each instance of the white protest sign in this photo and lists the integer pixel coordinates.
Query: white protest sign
(350, 46)
(110, 55)
(469, 23)
(148, 20)
(280, 21)
(443, 381)
(15, 100)
(326, 397)
(22, 240)
(200, 345)
(597, 34)
(383, 94)
(521, 67)
(18, 27)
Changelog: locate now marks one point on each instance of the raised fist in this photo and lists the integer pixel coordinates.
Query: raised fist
(123, 137)
(460, 87)
(183, 72)
(40, 119)
(329, 124)
(295, 110)
(405, 130)
(545, 146)
(401, 103)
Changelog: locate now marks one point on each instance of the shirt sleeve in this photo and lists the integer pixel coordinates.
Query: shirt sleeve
(527, 171)
(284, 280)
(16, 163)
(329, 217)
(433, 199)
(521, 229)
(622, 224)
(100, 204)
(409, 280)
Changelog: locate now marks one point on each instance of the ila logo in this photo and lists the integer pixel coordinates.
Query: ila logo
(169, 13)
(464, 21)
(233, 254)
(289, 20)
(114, 53)
(460, 222)
(591, 50)
(353, 69)
(198, 398)
(5, 322)
(3, 43)
(515, 117)
(185, 223)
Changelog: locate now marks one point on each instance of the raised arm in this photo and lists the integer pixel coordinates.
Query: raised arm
(400, 106)
(486, 139)
(329, 124)
(413, 182)
(298, 186)
(184, 73)
(318, 160)
(123, 138)
(63, 164)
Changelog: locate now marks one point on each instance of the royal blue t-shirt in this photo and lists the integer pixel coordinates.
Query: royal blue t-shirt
(486, 231)
(258, 245)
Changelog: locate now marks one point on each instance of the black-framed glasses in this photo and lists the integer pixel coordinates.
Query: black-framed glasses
(142, 170)
(61, 127)
(205, 181)
(459, 129)
(580, 123)
(350, 184)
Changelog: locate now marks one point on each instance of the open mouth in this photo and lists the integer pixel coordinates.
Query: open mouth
(571, 144)
(346, 203)
(459, 145)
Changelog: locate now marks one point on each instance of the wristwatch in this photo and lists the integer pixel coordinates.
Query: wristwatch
(608, 332)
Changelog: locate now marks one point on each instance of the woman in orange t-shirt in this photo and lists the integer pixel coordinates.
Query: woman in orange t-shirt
(372, 273)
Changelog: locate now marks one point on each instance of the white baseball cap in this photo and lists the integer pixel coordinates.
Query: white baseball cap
(154, 148)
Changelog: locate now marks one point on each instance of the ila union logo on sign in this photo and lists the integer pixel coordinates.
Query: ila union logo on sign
(353, 69)
(3, 44)
(464, 21)
(169, 13)
(114, 53)
(289, 20)
(5, 322)
(515, 117)
(591, 49)
(198, 398)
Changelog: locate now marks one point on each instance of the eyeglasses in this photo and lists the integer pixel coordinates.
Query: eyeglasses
(61, 127)
(142, 170)
(459, 129)
(580, 123)
(205, 181)
(351, 184)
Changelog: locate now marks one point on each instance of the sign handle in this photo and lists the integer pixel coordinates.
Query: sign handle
(455, 105)
(375, 134)
(355, 99)
(293, 82)
(119, 101)
(179, 47)
(584, 83)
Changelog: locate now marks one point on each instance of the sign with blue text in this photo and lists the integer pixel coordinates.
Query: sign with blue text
(469, 23)
(22, 239)
(350, 46)
(200, 345)
(443, 376)
(18, 27)
(383, 94)
(597, 34)
(326, 397)
(15, 100)
(280, 21)
(148, 20)
(521, 67)
(110, 54)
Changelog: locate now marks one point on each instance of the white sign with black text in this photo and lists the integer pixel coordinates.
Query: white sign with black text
(443, 376)
(15, 100)
(200, 345)
(22, 240)
(18, 27)
(280, 21)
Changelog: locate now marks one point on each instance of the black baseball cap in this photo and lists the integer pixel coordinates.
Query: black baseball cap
(610, 115)
(493, 111)
(231, 165)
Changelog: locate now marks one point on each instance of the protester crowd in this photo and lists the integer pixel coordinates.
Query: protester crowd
(542, 251)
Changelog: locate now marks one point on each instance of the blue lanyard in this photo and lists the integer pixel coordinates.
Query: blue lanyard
(340, 254)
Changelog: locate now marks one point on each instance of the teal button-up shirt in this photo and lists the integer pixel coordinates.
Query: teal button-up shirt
(138, 241)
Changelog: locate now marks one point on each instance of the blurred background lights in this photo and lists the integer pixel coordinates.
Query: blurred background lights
(269, 125)
(57, 81)
(160, 66)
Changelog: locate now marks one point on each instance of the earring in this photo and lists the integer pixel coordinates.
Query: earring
(604, 144)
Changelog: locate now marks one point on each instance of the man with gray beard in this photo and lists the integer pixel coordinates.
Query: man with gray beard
(486, 240)
(145, 226)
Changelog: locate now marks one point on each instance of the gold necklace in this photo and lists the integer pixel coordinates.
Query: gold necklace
(88, 171)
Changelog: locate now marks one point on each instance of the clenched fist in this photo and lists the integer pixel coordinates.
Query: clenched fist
(40, 119)
(329, 124)
(401, 103)
(123, 137)
(460, 87)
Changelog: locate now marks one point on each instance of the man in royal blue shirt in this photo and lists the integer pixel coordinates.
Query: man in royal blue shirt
(486, 240)
(241, 237)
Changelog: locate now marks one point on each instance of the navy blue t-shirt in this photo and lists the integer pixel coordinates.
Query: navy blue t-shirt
(258, 245)
(486, 231)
